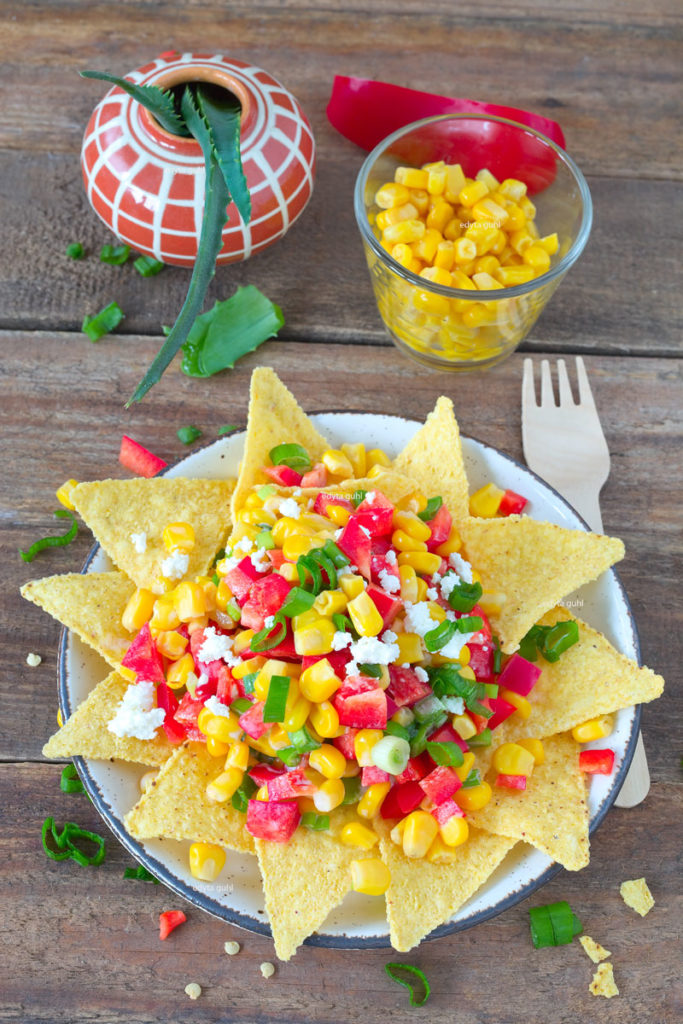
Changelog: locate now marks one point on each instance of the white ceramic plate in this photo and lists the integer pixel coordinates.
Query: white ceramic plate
(360, 921)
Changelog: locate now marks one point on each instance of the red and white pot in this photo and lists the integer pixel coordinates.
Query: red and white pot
(147, 185)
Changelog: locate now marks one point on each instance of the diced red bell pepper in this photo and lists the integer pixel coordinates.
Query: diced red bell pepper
(405, 688)
(265, 598)
(323, 502)
(519, 675)
(338, 661)
(138, 459)
(370, 774)
(380, 545)
(377, 516)
(211, 669)
(480, 721)
(511, 781)
(392, 706)
(316, 476)
(288, 785)
(401, 799)
(357, 684)
(440, 784)
(440, 526)
(481, 660)
(511, 504)
(168, 701)
(597, 762)
(169, 920)
(227, 689)
(346, 743)
(416, 768)
(252, 721)
(354, 541)
(272, 820)
(367, 710)
(241, 578)
(502, 709)
(386, 605)
(283, 475)
(443, 812)
(143, 658)
(262, 773)
(275, 557)
(447, 734)
(186, 715)
(380, 568)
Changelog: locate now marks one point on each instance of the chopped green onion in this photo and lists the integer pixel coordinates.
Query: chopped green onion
(248, 682)
(114, 254)
(274, 709)
(352, 788)
(418, 744)
(75, 251)
(491, 689)
(266, 491)
(431, 508)
(303, 741)
(316, 822)
(335, 554)
(307, 566)
(482, 739)
(395, 972)
(234, 610)
(554, 924)
(147, 266)
(219, 555)
(437, 638)
(445, 753)
(226, 428)
(497, 655)
(263, 640)
(373, 671)
(464, 596)
(558, 639)
(289, 756)
(473, 779)
(357, 498)
(103, 322)
(391, 754)
(140, 874)
(396, 729)
(53, 542)
(297, 602)
(428, 709)
(265, 540)
(64, 844)
(70, 781)
(292, 455)
(342, 623)
(241, 796)
(469, 624)
(446, 680)
(215, 579)
(240, 705)
(530, 644)
(188, 434)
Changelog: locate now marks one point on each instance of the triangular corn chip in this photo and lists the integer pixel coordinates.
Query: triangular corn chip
(116, 509)
(275, 417)
(589, 679)
(175, 806)
(423, 895)
(85, 733)
(91, 604)
(534, 565)
(433, 459)
(551, 814)
(393, 485)
(303, 880)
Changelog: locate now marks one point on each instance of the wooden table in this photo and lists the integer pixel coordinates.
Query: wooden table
(82, 945)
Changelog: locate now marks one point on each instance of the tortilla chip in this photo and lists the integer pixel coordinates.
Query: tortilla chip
(433, 459)
(393, 485)
(603, 983)
(593, 949)
(91, 604)
(85, 733)
(175, 805)
(275, 417)
(304, 879)
(590, 679)
(551, 814)
(423, 895)
(637, 896)
(115, 509)
(534, 565)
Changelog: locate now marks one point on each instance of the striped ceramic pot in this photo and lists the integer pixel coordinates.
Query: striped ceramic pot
(147, 185)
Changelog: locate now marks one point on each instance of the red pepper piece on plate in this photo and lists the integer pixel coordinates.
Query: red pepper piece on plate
(511, 504)
(596, 762)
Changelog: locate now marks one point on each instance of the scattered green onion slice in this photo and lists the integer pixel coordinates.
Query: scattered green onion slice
(491, 689)
(469, 624)
(373, 671)
(396, 971)
(188, 434)
(140, 874)
(464, 596)
(391, 754)
(297, 602)
(497, 655)
(396, 729)
(445, 753)
(242, 796)
(147, 266)
(482, 739)
(289, 756)
(264, 639)
(70, 781)
(428, 708)
(75, 251)
(103, 322)
(265, 540)
(114, 254)
(558, 639)
(357, 498)
(53, 542)
(335, 554)
(302, 740)
(473, 779)
(248, 682)
(240, 705)
(292, 455)
(342, 623)
(431, 508)
(553, 924)
(226, 428)
(316, 822)
(437, 638)
(274, 709)
(234, 610)
(352, 790)
(63, 845)
(266, 491)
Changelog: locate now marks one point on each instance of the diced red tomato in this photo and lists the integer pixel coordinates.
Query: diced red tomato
(370, 775)
(169, 920)
(447, 734)
(367, 710)
(481, 661)
(262, 774)
(138, 459)
(519, 675)
(346, 743)
(440, 784)
(275, 557)
(443, 812)
(186, 715)
(338, 661)
(241, 578)
(386, 605)
(511, 504)
(416, 768)
(252, 721)
(316, 476)
(143, 658)
(502, 709)
(377, 516)
(392, 706)
(227, 689)
(597, 762)
(283, 475)
(273, 820)
(211, 669)
(401, 800)
(440, 526)
(357, 684)
(289, 784)
(405, 689)
(167, 700)
(511, 781)
(265, 598)
(354, 541)
(323, 502)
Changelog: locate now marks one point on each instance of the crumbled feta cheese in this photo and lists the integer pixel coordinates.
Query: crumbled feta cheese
(421, 674)
(175, 566)
(33, 659)
(139, 542)
(267, 969)
(432, 593)
(216, 707)
(231, 948)
(289, 507)
(371, 651)
(449, 583)
(259, 559)
(269, 622)
(418, 618)
(369, 497)
(297, 492)
(462, 567)
(388, 581)
(455, 645)
(246, 545)
(365, 530)
(228, 563)
(389, 637)
(347, 570)
(341, 640)
(391, 556)
(216, 646)
(136, 716)
(193, 990)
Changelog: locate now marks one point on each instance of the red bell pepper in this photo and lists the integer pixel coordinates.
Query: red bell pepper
(138, 459)
(597, 762)
(169, 920)
(252, 721)
(366, 710)
(386, 605)
(354, 541)
(273, 820)
(346, 743)
(511, 504)
(511, 781)
(447, 734)
(370, 774)
(262, 774)
(266, 596)
(401, 799)
(440, 526)
(186, 716)
(480, 721)
(416, 768)
(443, 812)
(241, 578)
(338, 661)
(275, 557)
(323, 502)
(316, 476)
(519, 675)
(405, 688)
(377, 516)
(168, 701)
(502, 709)
(440, 784)
(288, 785)
(143, 658)
(283, 475)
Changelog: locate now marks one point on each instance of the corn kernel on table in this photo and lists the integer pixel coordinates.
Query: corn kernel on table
(81, 944)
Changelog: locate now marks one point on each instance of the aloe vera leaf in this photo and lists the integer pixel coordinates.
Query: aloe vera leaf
(223, 112)
(155, 100)
(230, 330)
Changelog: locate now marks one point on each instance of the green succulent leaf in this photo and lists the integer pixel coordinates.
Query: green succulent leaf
(157, 101)
(222, 112)
(229, 331)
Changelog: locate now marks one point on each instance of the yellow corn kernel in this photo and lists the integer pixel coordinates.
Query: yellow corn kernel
(536, 256)
(407, 231)
(372, 799)
(437, 276)
(238, 756)
(327, 760)
(224, 786)
(455, 182)
(189, 601)
(60, 720)
(411, 524)
(338, 464)
(511, 276)
(485, 282)
(403, 254)
(279, 737)
(262, 794)
(139, 610)
(411, 177)
(444, 257)
(329, 795)
(63, 494)
(314, 638)
(468, 762)
(219, 727)
(352, 585)
(439, 215)
(486, 501)
(414, 501)
(439, 853)
(430, 302)
(206, 860)
(376, 471)
(295, 546)
(370, 876)
(274, 667)
(253, 501)
(409, 648)
(513, 759)
(475, 315)
(385, 218)
(242, 640)
(464, 726)
(419, 832)
(483, 235)
(391, 194)
(407, 542)
(436, 612)
(216, 748)
(465, 656)
(512, 188)
(472, 193)
(408, 578)
(358, 834)
(474, 797)
(318, 682)
(521, 703)
(363, 742)
(178, 537)
(452, 231)
(245, 668)
(535, 747)
(256, 517)
(486, 265)
(127, 673)
(200, 623)
(455, 831)
(451, 545)
(516, 220)
(550, 243)
(330, 602)
(595, 729)
(177, 674)
(421, 589)
(424, 562)
(437, 175)
(288, 572)
(324, 719)
(465, 250)
(296, 716)
(376, 457)
(425, 248)
(171, 644)
(491, 604)
(527, 207)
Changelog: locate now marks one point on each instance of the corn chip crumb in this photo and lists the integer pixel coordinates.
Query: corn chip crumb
(193, 990)
(637, 896)
(603, 983)
(231, 948)
(33, 659)
(593, 949)
(267, 969)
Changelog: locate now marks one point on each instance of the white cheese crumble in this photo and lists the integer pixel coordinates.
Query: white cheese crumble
(33, 659)
(371, 651)
(136, 716)
(246, 545)
(389, 637)
(388, 581)
(418, 618)
(297, 492)
(455, 645)
(139, 542)
(369, 497)
(216, 646)
(216, 707)
(289, 507)
(341, 640)
(449, 583)
(432, 593)
(391, 556)
(462, 567)
(421, 674)
(269, 622)
(347, 570)
(175, 566)
(259, 559)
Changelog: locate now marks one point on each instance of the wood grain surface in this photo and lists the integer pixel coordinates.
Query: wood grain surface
(81, 945)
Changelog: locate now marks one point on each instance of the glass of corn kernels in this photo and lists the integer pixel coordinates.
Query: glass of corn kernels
(469, 223)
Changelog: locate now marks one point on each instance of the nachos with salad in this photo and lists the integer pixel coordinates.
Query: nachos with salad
(336, 667)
